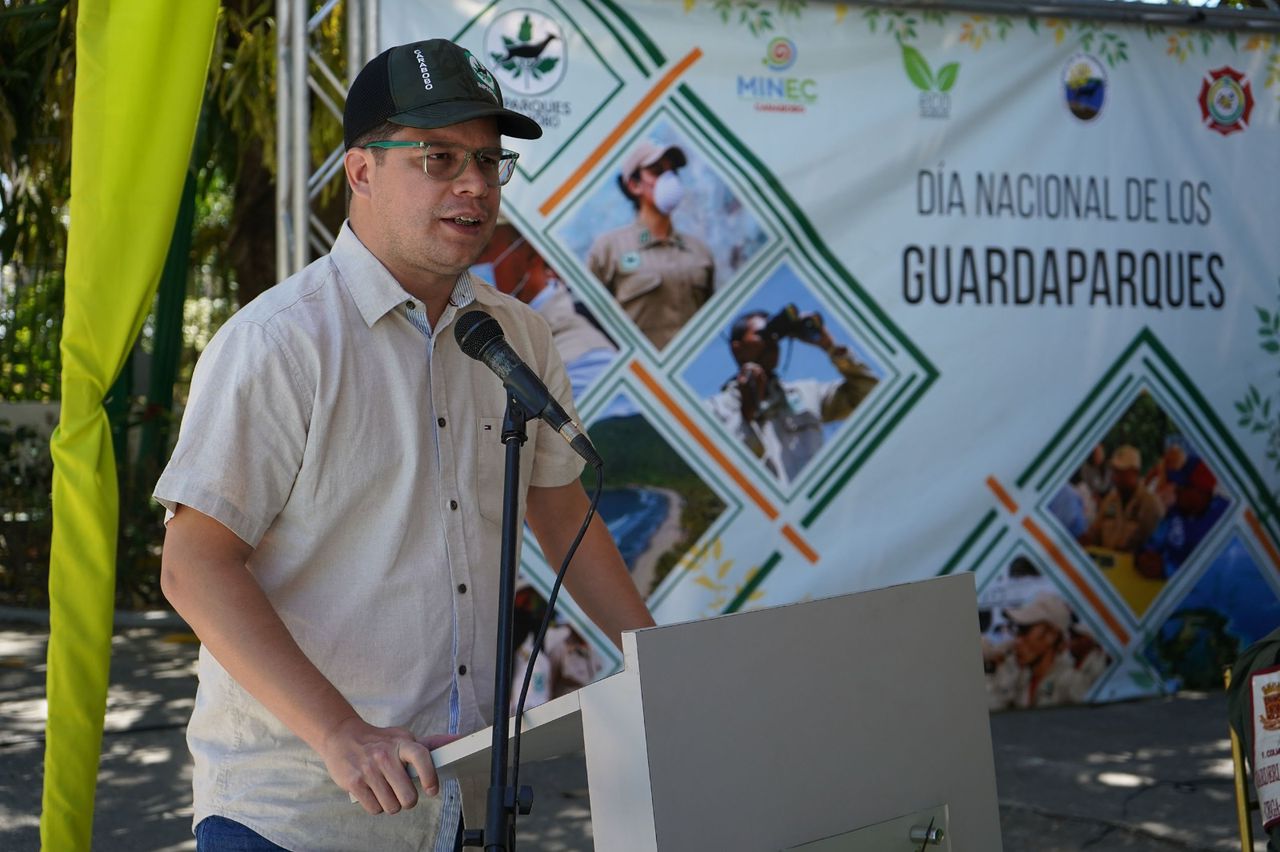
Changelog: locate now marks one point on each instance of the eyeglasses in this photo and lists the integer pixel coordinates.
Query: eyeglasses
(446, 161)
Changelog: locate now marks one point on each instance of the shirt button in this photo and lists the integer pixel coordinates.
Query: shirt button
(453, 504)
(462, 670)
(462, 588)
(410, 305)
(440, 422)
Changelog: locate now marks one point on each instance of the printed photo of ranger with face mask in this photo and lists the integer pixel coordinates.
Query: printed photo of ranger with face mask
(659, 275)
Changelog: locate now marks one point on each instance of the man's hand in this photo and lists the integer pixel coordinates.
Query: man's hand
(369, 763)
(822, 339)
(752, 381)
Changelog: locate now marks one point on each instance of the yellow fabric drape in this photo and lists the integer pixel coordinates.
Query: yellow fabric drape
(140, 71)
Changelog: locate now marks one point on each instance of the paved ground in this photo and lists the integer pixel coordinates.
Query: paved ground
(1146, 775)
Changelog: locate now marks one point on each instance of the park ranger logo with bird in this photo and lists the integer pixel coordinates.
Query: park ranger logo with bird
(527, 48)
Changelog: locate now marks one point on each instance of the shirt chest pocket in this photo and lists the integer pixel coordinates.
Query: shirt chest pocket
(637, 285)
(491, 466)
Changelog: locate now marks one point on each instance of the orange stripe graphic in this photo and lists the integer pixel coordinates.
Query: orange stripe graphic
(1062, 562)
(801, 545)
(612, 139)
(703, 441)
(1002, 495)
(1262, 537)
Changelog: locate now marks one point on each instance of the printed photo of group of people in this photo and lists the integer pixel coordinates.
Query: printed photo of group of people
(1141, 502)
(1036, 651)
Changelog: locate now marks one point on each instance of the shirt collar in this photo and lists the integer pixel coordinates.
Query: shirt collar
(642, 238)
(375, 290)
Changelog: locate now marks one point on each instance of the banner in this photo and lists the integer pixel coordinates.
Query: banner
(855, 296)
(127, 165)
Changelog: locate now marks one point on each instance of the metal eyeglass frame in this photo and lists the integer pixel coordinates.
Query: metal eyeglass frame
(504, 160)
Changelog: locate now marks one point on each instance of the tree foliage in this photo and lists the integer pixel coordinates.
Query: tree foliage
(232, 257)
(36, 81)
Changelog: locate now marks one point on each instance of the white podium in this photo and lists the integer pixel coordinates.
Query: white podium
(850, 723)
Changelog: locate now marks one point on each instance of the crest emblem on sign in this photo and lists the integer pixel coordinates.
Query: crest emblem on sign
(1226, 100)
(1270, 718)
(1084, 83)
(527, 48)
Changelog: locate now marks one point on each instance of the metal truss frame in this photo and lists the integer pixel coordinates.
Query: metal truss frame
(301, 71)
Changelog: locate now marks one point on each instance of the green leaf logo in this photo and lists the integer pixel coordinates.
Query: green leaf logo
(917, 68)
(947, 76)
(922, 76)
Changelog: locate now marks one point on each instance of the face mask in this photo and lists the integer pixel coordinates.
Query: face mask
(668, 191)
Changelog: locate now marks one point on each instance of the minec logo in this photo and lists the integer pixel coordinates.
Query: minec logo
(1226, 100)
(422, 69)
(935, 89)
(779, 94)
(781, 54)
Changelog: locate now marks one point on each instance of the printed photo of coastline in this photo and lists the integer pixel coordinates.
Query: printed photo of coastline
(654, 504)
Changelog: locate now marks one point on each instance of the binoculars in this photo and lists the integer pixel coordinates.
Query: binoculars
(789, 322)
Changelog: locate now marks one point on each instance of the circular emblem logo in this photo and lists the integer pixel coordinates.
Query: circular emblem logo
(482, 75)
(1226, 100)
(781, 54)
(527, 50)
(1084, 86)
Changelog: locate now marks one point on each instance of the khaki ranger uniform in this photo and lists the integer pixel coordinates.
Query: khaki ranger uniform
(659, 283)
(1125, 525)
(1010, 684)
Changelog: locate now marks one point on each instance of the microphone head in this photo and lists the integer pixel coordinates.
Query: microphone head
(475, 330)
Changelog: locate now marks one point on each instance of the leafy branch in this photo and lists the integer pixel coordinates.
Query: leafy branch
(899, 24)
(979, 29)
(750, 14)
(1184, 43)
(1255, 411)
(1262, 43)
(1106, 44)
(710, 570)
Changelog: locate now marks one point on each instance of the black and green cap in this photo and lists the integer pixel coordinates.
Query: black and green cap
(428, 84)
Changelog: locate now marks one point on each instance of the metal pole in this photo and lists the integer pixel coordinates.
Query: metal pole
(372, 38)
(284, 125)
(300, 155)
(354, 11)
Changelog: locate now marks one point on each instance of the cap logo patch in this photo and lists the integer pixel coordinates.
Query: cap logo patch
(423, 70)
(483, 77)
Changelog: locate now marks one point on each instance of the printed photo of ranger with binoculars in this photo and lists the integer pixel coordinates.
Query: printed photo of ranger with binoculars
(781, 420)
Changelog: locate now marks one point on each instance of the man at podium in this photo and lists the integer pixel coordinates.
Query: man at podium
(336, 491)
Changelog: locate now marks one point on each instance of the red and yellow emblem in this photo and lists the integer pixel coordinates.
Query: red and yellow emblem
(1226, 100)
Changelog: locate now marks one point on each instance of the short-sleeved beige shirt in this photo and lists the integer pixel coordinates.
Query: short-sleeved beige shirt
(367, 474)
(660, 284)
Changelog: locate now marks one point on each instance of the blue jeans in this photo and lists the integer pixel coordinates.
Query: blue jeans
(219, 834)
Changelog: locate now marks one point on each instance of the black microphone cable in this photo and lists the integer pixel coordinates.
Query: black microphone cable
(542, 632)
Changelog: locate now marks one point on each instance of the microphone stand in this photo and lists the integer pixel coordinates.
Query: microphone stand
(502, 802)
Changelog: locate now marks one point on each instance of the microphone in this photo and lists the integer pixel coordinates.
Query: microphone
(480, 336)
